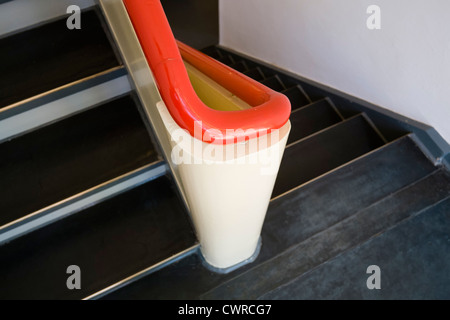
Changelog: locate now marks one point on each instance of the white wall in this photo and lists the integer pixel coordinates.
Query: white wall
(404, 67)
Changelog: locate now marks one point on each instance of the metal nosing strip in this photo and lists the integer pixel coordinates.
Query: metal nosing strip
(143, 273)
(81, 201)
(374, 151)
(38, 111)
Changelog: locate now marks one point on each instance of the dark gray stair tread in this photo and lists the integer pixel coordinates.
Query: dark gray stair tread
(185, 279)
(312, 118)
(240, 66)
(226, 60)
(70, 156)
(296, 96)
(109, 242)
(274, 83)
(51, 55)
(341, 193)
(213, 52)
(255, 73)
(314, 93)
(414, 259)
(337, 239)
(297, 216)
(325, 151)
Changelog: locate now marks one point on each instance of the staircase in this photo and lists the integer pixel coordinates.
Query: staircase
(84, 182)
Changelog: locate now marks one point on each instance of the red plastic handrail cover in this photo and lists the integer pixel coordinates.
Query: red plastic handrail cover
(270, 109)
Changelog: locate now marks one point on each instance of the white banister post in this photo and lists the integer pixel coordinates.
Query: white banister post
(228, 188)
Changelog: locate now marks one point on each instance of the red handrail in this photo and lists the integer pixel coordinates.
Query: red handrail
(270, 109)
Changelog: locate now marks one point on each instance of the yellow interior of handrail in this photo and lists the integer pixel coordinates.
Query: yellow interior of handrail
(212, 94)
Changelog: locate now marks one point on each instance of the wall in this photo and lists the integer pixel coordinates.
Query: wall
(403, 67)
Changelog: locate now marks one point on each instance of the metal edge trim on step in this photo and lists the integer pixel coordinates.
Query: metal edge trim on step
(446, 161)
(370, 122)
(61, 102)
(343, 165)
(61, 92)
(312, 104)
(81, 201)
(326, 129)
(29, 14)
(298, 86)
(158, 266)
(334, 107)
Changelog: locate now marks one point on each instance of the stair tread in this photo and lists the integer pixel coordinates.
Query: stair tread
(57, 161)
(274, 83)
(296, 97)
(345, 191)
(212, 51)
(324, 151)
(312, 118)
(412, 257)
(297, 216)
(340, 237)
(255, 73)
(313, 93)
(226, 60)
(109, 242)
(49, 56)
(240, 66)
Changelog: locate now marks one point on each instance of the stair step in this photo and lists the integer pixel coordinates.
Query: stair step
(312, 118)
(297, 97)
(213, 52)
(310, 91)
(413, 258)
(144, 272)
(255, 73)
(228, 60)
(317, 154)
(299, 215)
(80, 201)
(344, 191)
(29, 114)
(109, 242)
(342, 236)
(274, 83)
(55, 162)
(50, 56)
(240, 66)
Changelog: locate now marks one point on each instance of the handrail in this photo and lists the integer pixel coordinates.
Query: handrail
(270, 109)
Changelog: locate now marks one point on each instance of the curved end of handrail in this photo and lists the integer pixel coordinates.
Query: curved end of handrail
(270, 109)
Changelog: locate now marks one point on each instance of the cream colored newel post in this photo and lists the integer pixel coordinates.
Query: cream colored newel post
(228, 188)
